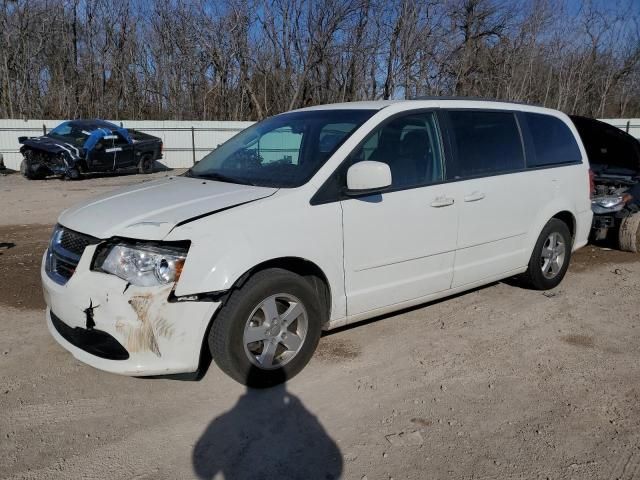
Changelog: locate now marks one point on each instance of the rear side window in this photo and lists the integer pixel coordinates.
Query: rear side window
(485, 143)
(553, 142)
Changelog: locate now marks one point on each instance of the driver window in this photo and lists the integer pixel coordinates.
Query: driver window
(410, 145)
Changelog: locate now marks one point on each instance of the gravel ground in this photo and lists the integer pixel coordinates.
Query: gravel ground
(501, 382)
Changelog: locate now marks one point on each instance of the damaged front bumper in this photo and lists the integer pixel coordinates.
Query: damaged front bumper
(52, 163)
(124, 329)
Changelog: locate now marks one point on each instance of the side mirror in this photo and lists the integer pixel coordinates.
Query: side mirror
(367, 177)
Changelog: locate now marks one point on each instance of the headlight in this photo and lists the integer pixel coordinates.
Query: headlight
(609, 202)
(144, 266)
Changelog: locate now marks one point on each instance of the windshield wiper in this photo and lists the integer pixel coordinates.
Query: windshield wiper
(217, 176)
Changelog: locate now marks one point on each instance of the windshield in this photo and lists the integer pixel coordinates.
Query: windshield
(70, 133)
(281, 151)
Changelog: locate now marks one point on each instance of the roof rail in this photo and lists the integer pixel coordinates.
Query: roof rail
(481, 99)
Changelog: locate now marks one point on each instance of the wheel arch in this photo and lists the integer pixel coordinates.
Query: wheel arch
(559, 210)
(569, 219)
(300, 266)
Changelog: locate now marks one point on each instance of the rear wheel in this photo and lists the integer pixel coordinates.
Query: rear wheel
(629, 233)
(146, 164)
(551, 255)
(268, 329)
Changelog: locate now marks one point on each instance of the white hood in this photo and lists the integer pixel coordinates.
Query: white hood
(150, 211)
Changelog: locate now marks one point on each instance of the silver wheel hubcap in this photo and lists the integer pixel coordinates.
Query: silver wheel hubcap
(553, 255)
(275, 331)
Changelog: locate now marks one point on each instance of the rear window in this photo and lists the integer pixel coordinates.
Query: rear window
(485, 142)
(553, 142)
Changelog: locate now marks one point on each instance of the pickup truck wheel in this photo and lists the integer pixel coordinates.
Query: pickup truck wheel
(551, 256)
(268, 329)
(27, 171)
(629, 234)
(145, 165)
(72, 174)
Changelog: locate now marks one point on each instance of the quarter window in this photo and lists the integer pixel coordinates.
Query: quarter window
(553, 142)
(485, 143)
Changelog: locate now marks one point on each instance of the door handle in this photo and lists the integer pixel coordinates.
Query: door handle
(474, 197)
(442, 202)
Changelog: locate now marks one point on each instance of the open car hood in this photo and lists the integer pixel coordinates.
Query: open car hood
(151, 210)
(608, 146)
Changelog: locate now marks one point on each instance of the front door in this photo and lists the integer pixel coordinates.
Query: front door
(400, 245)
(101, 157)
(124, 151)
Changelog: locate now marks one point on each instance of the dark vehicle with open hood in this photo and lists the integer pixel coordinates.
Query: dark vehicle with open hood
(614, 157)
(85, 146)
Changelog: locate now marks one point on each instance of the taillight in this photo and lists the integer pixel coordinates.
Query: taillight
(592, 183)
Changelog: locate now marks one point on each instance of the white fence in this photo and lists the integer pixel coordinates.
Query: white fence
(183, 141)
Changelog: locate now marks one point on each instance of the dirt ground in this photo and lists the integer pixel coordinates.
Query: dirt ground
(501, 382)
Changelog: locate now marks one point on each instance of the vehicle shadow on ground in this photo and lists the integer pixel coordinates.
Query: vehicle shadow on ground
(121, 173)
(267, 434)
(397, 313)
(6, 245)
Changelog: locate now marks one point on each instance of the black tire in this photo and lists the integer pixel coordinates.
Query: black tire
(535, 276)
(629, 233)
(226, 337)
(72, 174)
(27, 170)
(145, 165)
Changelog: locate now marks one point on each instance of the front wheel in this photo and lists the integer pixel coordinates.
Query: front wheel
(268, 329)
(551, 256)
(28, 170)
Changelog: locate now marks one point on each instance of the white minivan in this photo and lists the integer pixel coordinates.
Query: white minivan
(310, 220)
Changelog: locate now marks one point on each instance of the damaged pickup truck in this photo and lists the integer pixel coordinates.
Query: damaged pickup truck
(614, 157)
(84, 146)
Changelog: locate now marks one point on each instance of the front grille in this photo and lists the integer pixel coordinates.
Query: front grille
(65, 249)
(75, 242)
(63, 268)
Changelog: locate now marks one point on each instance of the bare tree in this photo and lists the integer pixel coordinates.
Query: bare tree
(248, 59)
